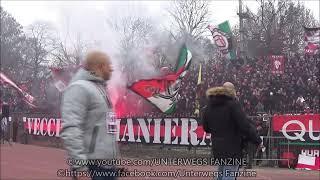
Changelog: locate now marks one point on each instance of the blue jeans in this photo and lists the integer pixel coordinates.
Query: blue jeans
(103, 173)
(227, 172)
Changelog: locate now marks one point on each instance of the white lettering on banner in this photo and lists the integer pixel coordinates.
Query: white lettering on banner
(128, 131)
(41, 126)
(58, 125)
(184, 131)
(156, 135)
(118, 132)
(311, 152)
(299, 136)
(167, 131)
(311, 132)
(29, 124)
(169, 127)
(36, 126)
(145, 130)
(204, 137)
(193, 136)
(139, 134)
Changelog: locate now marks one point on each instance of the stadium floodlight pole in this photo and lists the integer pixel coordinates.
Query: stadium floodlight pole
(240, 29)
(242, 16)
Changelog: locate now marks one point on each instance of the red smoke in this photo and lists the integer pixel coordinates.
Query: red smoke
(127, 103)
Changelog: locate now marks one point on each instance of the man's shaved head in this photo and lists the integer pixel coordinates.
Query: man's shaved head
(99, 63)
(95, 59)
(230, 86)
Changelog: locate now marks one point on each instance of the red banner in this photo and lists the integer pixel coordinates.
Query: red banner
(311, 49)
(279, 121)
(312, 40)
(42, 126)
(298, 127)
(277, 64)
(180, 131)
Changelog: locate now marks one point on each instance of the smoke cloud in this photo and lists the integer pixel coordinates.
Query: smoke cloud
(90, 23)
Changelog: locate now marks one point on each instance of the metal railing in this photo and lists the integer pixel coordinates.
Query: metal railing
(276, 146)
(274, 150)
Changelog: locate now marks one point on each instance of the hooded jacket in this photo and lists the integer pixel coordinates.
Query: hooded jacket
(227, 123)
(84, 119)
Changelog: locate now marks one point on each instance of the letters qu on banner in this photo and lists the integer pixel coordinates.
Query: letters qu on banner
(298, 127)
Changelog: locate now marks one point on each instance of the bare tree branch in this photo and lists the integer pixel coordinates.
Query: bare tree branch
(190, 17)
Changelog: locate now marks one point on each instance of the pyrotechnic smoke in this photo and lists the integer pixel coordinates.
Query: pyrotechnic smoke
(94, 28)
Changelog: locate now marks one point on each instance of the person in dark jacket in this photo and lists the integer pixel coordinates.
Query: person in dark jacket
(5, 123)
(252, 149)
(224, 119)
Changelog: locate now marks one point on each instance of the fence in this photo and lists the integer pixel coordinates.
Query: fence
(279, 150)
(274, 148)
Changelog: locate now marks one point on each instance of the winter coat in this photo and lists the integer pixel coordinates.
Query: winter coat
(85, 110)
(227, 123)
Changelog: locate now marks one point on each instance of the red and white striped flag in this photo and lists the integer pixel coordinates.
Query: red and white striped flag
(27, 97)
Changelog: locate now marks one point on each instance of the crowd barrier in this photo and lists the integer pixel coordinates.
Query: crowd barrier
(43, 130)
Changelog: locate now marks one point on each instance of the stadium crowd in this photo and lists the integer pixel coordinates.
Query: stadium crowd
(258, 90)
(297, 90)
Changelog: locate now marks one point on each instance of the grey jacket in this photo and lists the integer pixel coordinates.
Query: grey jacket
(84, 119)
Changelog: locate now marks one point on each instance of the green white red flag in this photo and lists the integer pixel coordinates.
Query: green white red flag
(163, 92)
(222, 36)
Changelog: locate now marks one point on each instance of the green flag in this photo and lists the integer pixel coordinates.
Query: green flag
(222, 36)
(163, 92)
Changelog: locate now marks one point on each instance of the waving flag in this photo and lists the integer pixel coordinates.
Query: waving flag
(222, 36)
(163, 92)
(27, 97)
(277, 64)
(62, 76)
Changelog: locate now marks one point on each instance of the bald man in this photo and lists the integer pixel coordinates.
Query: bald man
(231, 87)
(87, 116)
(99, 64)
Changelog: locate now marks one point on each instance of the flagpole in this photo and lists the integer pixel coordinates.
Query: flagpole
(197, 108)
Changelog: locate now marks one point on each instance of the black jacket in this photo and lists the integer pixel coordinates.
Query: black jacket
(5, 110)
(227, 123)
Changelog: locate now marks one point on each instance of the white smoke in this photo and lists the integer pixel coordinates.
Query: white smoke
(90, 22)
